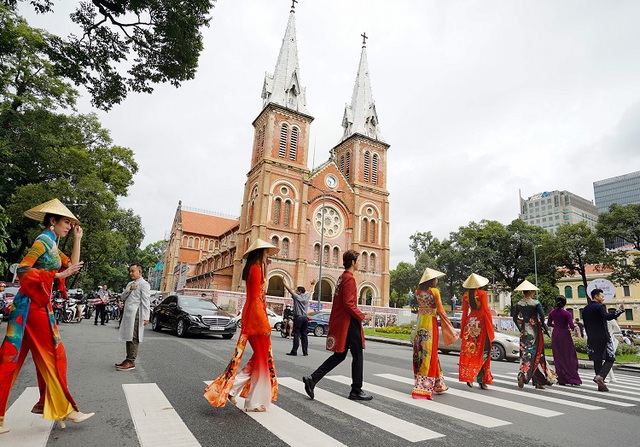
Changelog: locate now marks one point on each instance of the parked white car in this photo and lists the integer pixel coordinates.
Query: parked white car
(275, 320)
(504, 346)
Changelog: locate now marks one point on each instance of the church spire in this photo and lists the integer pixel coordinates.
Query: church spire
(360, 116)
(283, 87)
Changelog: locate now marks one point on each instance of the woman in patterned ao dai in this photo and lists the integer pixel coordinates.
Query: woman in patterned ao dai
(426, 365)
(476, 333)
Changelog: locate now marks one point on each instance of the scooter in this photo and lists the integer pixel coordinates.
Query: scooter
(284, 333)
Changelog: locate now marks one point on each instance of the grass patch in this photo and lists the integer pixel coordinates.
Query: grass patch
(581, 356)
(369, 331)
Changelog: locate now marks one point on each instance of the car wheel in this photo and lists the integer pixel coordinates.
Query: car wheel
(497, 352)
(239, 323)
(227, 336)
(277, 326)
(181, 329)
(318, 331)
(445, 351)
(155, 325)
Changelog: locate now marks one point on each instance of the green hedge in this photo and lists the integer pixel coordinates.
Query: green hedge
(402, 329)
(581, 346)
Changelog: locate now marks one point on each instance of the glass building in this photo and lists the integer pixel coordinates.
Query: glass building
(551, 209)
(623, 190)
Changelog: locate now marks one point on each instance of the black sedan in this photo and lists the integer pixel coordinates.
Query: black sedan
(319, 323)
(192, 315)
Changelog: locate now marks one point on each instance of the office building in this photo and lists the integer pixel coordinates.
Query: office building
(551, 209)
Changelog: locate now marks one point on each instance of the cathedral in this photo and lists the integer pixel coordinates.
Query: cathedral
(312, 215)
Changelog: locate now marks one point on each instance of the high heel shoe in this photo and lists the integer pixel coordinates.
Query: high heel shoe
(3, 431)
(76, 417)
(470, 385)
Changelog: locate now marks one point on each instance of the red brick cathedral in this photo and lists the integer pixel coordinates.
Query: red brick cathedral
(313, 216)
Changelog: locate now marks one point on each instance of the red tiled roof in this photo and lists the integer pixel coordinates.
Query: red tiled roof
(206, 224)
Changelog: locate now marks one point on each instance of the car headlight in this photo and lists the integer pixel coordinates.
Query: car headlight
(195, 318)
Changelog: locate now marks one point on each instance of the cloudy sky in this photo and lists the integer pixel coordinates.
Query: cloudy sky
(478, 99)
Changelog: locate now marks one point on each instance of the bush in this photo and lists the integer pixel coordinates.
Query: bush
(581, 345)
(402, 329)
(547, 342)
(625, 349)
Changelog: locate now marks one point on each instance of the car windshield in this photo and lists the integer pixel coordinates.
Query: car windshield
(200, 303)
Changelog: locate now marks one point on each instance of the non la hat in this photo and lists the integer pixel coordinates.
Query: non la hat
(524, 286)
(430, 274)
(475, 281)
(258, 244)
(53, 206)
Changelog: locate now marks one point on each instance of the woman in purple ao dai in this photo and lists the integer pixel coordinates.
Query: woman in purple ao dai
(564, 351)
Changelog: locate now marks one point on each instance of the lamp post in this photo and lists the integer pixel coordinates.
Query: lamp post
(323, 192)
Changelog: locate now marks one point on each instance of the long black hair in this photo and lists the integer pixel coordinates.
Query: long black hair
(255, 257)
(561, 301)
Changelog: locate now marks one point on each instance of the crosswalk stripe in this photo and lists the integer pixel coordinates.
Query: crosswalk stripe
(576, 394)
(406, 430)
(483, 397)
(27, 429)
(624, 388)
(549, 399)
(156, 422)
(288, 427)
(429, 405)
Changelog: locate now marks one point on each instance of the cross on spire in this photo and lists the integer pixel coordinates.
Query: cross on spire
(364, 39)
(293, 5)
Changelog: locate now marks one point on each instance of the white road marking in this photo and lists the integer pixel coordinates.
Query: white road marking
(27, 429)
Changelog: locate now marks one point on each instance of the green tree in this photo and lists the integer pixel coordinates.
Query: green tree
(404, 278)
(577, 246)
(4, 241)
(622, 222)
(152, 254)
(158, 40)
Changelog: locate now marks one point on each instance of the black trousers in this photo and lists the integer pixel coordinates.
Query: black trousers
(354, 344)
(602, 367)
(300, 325)
(100, 312)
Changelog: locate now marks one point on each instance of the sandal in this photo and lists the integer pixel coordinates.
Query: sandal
(484, 386)
(259, 409)
(470, 385)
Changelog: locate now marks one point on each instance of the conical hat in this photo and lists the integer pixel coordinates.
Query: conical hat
(430, 274)
(475, 281)
(524, 286)
(53, 206)
(258, 244)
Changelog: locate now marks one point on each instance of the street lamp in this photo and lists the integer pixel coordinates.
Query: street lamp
(321, 241)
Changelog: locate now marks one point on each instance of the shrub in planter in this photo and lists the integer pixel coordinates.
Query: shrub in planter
(581, 345)
(625, 349)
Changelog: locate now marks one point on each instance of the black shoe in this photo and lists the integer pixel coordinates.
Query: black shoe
(305, 354)
(292, 353)
(96, 323)
(359, 395)
(309, 385)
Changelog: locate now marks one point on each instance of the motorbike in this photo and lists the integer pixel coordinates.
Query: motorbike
(58, 308)
(284, 333)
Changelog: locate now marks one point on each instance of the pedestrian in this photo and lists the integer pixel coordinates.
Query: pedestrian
(345, 332)
(3, 297)
(476, 334)
(135, 315)
(580, 327)
(287, 321)
(101, 304)
(599, 341)
(614, 328)
(81, 303)
(257, 380)
(31, 325)
(428, 377)
(300, 320)
(533, 363)
(565, 359)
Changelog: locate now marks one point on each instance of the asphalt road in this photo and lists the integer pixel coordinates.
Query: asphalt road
(176, 368)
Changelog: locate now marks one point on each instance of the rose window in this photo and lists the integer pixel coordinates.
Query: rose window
(332, 221)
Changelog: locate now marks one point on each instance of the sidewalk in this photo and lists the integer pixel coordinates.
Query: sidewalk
(582, 364)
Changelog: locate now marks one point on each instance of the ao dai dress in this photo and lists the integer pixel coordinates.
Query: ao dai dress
(565, 359)
(428, 378)
(477, 335)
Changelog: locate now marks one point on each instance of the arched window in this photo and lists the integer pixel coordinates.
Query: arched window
(285, 248)
(372, 262)
(336, 256)
(293, 144)
(287, 213)
(372, 232)
(210, 244)
(342, 164)
(581, 292)
(197, 243)
(282, 151)
(374, 170)
(365, 261)
(568, 292)
(185, 241)
(275, 241)
(367, 166)
(325, 255)
(190, 244)
(276, 211)
(247, 244)
(261, 143)
(316, 253)
(347, 165)
(363, 229)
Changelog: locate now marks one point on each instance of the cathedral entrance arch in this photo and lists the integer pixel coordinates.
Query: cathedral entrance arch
(276, 286)
(366, 296)
(327, 291)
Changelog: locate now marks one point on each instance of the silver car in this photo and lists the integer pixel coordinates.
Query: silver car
(503, 346)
